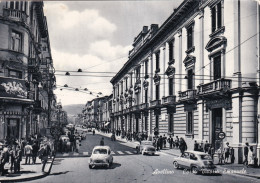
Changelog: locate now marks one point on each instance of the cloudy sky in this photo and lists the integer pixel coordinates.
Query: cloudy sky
(96, 36)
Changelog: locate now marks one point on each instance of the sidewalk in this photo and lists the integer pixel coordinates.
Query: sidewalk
(28, 172)
(238, 169)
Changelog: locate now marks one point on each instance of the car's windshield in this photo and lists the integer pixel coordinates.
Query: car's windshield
(205, 157)
(100, 151)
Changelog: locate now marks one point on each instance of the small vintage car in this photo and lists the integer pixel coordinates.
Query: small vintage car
(195, 161)
(146, 147)
(101, 156)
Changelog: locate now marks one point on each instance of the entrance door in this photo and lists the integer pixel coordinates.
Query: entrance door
(13, 128)
(216, 127)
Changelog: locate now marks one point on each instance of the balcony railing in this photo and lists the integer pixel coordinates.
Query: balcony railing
(216, 85)
(144, 106)
(16, 15)
(169, 100)
(186, 95)
(155, 103)
(135, 108)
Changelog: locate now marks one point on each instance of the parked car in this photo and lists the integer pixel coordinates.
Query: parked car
(146, 147)
(195, 161)
(101, 156)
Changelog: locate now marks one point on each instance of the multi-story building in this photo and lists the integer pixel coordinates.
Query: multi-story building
(195, 76)
(25, 106)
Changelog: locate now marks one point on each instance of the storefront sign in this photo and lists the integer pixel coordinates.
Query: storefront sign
(12, 88)
(219, 103)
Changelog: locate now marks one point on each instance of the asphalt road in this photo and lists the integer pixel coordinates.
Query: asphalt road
(127, 168)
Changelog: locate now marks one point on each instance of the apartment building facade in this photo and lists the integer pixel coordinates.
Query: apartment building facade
(195, 76)
(26, 72)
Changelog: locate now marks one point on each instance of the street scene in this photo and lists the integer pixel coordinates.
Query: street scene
(130, 91)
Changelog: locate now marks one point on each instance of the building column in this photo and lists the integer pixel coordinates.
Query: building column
(201, 120)
(150, 61)
(237, 127)
(142, 80)
(166, 88)
(153, 71)
(180, 62)
(258, 107)
(162, 70)
(202, 47)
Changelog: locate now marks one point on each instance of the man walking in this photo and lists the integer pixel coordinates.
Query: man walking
(28, 152)
(102, 141)
(245, 162)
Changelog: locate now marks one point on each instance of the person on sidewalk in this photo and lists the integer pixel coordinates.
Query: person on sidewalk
(17, 159)
(44, 156)
(77, 145)
(102, 141)
(227, 152)
(93, 132)
(251, 157)
(182, 146)
(246, 150)
(11, 155)
(4, 158)
(164, 141)
(28, 153)
(170, 141)
(35, 150)
(196, 146)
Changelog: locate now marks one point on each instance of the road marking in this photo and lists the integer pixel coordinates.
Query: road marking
(75, 154)
(85, 153)
(112, 152)
(128, 152)
(65, 154)
(120, 152)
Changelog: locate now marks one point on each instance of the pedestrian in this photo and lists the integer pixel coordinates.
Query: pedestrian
(161, 142)
(158, 144)
(11, 155)
(170, 141)
(35, 149)
(182, 145)
(17, 159)
(211, 152)
(227, 152)
(68, 146)
(196, 146)
(77, 145)
(102, 141)
(164, 140)
(206, 146)
(4, 158)
(28, 153)
(93, 132)
(44, 155)
(177, 141)
(246, 150)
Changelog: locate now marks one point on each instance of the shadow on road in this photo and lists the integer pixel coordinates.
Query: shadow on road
(114, 165)
(59, 173)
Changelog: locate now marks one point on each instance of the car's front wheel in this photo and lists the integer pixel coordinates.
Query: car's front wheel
(90, 166)
(175, 165)
(195, 170)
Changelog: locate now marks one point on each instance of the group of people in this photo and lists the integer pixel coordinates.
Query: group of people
(250, 159)
(14, 150)
(69, 144)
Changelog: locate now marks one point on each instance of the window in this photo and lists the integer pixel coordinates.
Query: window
(170, 86)
(11, 5)
(146, 123)
(146, 96)
(157, 59)
(190, 79)
(146, 68)
(157, 92)
(216, 17)
(157, 121)
(170, 122)
(15, 74)
(217, 67)
(16, 41)
(171, 53)
(190, 123)
(190, 37)
(137, 73)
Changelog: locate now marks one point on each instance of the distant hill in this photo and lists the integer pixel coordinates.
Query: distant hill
(73, 109)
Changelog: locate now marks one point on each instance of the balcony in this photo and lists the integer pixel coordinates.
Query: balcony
(135, 108)
(16, 15)
(144, 106)
(187, 95)
(169, 100)
(155, 104)
(214, 86)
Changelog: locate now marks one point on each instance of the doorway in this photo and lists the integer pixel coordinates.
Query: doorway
(216, 127)
(13, 128)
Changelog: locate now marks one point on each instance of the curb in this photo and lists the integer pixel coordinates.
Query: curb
(241, 174)
(39, 176)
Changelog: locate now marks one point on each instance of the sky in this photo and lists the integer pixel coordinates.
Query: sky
(96, 36)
